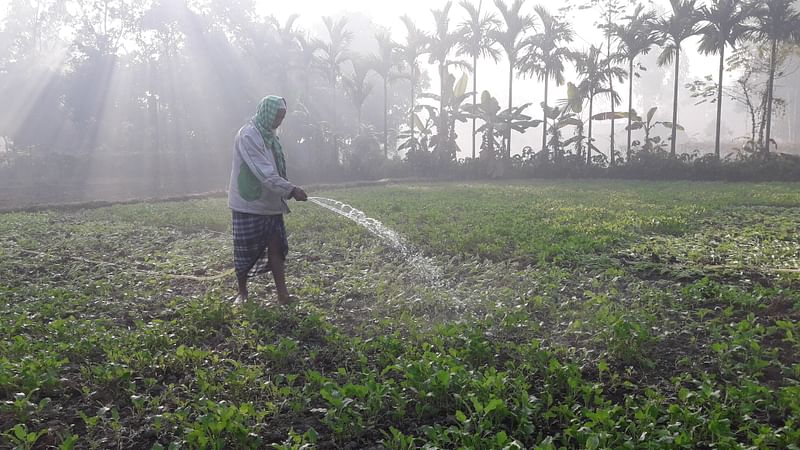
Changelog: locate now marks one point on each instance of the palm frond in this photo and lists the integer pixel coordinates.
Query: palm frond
(463, 65)
(666, 56)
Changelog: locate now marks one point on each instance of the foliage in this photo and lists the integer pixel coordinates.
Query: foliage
(778, 23)
(477, 42)
(496, 124)
(663, 318)
(650, 144)
(511, 37)
(635, 37)
(546, 55)
(750, 89)
(596, 74)
(103, 74)
(681, 24)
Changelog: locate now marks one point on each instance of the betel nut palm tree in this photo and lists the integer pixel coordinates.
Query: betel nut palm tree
(724, 26)
(635, 37)
(476, 42)
(680, 24)
(545, 56)
(777, 22)
(510, 36)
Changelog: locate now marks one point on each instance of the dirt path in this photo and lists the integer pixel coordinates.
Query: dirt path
(98, 194)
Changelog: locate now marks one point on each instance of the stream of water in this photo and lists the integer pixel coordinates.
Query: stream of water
(426, 267)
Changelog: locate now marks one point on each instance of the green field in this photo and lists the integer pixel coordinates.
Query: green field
(576, 315)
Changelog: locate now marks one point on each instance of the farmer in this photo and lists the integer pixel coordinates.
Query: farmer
(257, 196)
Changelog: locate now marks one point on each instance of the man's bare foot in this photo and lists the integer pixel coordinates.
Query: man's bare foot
(286, 299)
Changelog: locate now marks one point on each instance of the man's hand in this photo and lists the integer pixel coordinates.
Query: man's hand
(298, 194)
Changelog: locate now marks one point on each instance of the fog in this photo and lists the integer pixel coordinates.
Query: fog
(152, 92)
(698, 119)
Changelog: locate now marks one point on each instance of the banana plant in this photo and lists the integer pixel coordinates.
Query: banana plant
(444, 142)
(557, 119)
(612, 116)
(497, 123)
(651, 144)
(417, 139)
(488, 111)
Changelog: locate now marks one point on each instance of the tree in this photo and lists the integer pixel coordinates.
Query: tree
(634, 38)
(331, 56)
(33, 28)
(673, 30)
(545, 56)
(304, 60)
(561, 117)
(488, 111)
(440, 44)
(357, 86)
(418, 154)
(651, 144)
(104, 25)
(385, 64)
(778, 22)
(724, 26)
(752, 62)
(595, 76)
(494, 126)
(30, 87)
(612, 9)
(415, 46)
(476, 42)
(418, 146)
(511, 39)
(450, 111)
(284, 48)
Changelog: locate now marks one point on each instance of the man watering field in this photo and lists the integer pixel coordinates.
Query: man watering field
(257, 198)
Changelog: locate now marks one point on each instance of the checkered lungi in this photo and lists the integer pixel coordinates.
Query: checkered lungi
(251, 235)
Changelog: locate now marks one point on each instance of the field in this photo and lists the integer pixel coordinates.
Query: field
(576, 315)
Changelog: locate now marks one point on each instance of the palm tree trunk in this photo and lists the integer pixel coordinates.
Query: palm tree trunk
(385, 118)
(510, 99)
(675, 103)
(413, 99)
(762, 119)
(630, 105)
(589, 142)
(770, 87)
(611, 150)
(544, 118)
(474, 98)
(442, 128)
(719, 99)
(611, 94)
(490, 142)
(335, 138)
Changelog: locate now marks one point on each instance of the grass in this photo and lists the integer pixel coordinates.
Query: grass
(569, 315)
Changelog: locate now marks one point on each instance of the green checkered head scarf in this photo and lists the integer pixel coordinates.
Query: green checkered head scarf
(264, 120)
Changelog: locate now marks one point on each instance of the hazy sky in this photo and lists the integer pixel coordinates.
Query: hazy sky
(493, 76)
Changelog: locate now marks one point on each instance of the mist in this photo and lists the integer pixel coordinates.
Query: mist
(144, 97)
(497, 224)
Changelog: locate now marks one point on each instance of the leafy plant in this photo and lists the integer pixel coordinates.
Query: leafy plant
(650, 143)
(22, 438)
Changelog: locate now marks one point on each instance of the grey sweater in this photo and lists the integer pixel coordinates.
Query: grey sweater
(255, 186)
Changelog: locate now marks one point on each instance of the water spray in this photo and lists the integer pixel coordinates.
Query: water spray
(424, 265)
